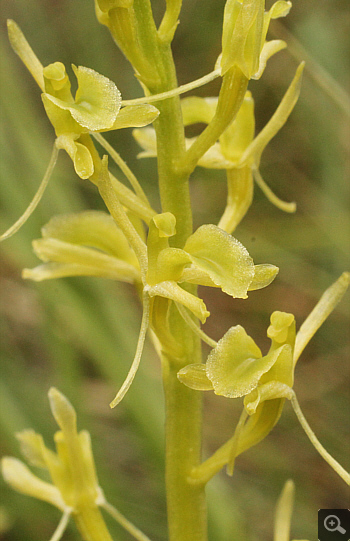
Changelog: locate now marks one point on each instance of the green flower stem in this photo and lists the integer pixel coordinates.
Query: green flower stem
(187, 520)
(186, 504)
(319, 448)
(232, 92)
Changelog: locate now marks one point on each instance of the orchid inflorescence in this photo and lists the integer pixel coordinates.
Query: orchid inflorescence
(133, 243)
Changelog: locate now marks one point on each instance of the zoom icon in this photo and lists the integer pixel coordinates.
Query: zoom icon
(333, 525)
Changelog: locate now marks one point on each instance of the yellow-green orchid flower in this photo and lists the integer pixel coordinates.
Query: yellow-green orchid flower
(237, 368)
(92, 243)
(95, 108)
(74, 489)
(237, 151)
(244, 34)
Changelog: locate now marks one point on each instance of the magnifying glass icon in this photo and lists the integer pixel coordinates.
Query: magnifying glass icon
(332, 524)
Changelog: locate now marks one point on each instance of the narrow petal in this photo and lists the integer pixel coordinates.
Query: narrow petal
(36, 199)
(195, 377)
(91, 228)
(278, 119)
(139, 349)
(80, 155)
(20, 45)
(20, 478)
(58, 251)
(171, 290)
(32, 445)
(269, 49)
(282, 205)
(134, 116)
(63, 412)
(284, 510)
(116, 270)
(329, 300)
(264, 275)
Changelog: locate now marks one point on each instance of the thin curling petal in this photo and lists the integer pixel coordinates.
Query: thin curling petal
(62, 525)
(139, 349)
(319, 448)
(23, 49)
(253, 153)
(36, 199)
(329, 300)
(269, 49)
(282, 205)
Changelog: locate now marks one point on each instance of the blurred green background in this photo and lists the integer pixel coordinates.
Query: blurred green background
(80, 334)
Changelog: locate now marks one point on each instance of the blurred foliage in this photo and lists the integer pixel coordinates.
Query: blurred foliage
(79, 334)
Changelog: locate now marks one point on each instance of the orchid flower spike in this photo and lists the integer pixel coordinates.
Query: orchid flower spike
(74, 489)
(237, 368)
(95, 108)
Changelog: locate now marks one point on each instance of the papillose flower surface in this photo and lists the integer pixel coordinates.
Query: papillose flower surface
(237, 368)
